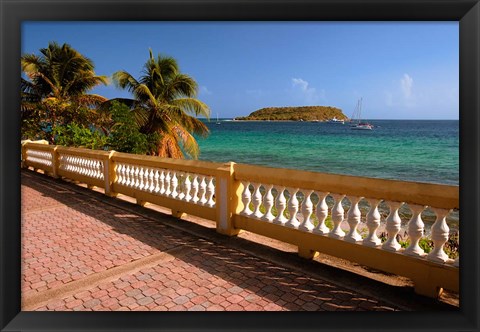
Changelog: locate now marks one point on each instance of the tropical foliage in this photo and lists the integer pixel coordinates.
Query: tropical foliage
(56, 91)
(125, 135)
(160, 119)
(165, 104)
(77, 135)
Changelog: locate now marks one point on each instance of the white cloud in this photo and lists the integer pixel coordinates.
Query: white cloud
(407, 84)
(204, 90)
(309, 95)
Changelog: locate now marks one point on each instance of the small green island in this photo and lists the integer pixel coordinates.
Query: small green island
(301, 113)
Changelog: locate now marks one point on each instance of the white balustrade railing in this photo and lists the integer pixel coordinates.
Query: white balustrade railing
(179, 185)
(311, 210)
(85, 166)
(306, 210)
(39, 157)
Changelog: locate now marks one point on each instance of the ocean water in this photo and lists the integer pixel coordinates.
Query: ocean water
(410, 150)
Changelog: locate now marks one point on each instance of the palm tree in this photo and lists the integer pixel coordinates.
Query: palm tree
(164, 104)
(59, 79)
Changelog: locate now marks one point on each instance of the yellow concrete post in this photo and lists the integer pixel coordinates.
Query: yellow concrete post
(227, 202)
(109, 174)
(55, 163)
(24, 154)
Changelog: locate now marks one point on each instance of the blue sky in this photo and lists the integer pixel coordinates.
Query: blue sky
(403, 70)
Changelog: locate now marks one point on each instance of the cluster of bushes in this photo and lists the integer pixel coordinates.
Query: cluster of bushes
(123, 136)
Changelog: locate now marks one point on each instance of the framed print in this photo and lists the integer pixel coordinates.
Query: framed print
(306, 105)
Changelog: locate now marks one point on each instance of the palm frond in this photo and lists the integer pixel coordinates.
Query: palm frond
(84, 81)
(143, 93)
(187, 141)
(90, 100)
(180, 85)
(192, 106)
(124, 80)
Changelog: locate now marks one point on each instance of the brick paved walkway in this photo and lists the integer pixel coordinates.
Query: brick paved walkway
(80, 252)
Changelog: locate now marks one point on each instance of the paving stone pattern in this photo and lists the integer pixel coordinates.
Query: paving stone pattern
(67, 236)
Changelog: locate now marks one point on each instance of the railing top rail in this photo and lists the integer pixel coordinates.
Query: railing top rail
(83, 152)
(430, 194)
(194, 166)
(39, 146)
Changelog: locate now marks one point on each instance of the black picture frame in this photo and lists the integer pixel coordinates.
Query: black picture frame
(14, 12)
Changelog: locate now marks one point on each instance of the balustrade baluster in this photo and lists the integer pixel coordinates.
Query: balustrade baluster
(147, 184)
(280, 204)
(188, 188)
(127, 175)
(151, 177)
(392, 226)
(195, 198)
(257, 201)
(83, 166)
(353, 219)
(141, 178)
(162, 182)
(307, 210)
(174, 185)
(202, 190)
(181, 186)
(210, 192)
(146, 179)
(135, 176)
(92, 168)
(293, 208)
(89, 167)
(124, 173)
(167, 184)
(415, 230)
(321, 213)
(119, 174)
(246, 199)
(156, 187)
(74, 164)
(439, 234)
(268, 203)
(373, 222)
(95, 168)
(101, 169)
(338, 214)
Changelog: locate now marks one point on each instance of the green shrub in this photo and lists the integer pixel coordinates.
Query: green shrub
(76, 135)
(125, 135)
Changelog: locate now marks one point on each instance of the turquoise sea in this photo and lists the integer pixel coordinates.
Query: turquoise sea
(411, 150)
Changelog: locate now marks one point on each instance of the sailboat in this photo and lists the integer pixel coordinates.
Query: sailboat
(356, 122)
(218, 122)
